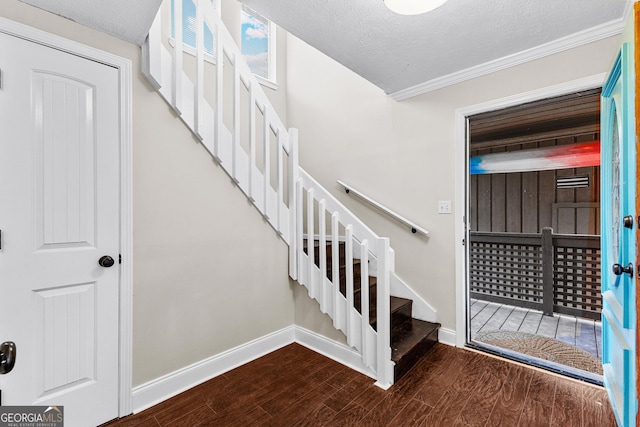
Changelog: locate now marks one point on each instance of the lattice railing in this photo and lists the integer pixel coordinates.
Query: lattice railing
(545, 271)
(576, 276)
(506, 268)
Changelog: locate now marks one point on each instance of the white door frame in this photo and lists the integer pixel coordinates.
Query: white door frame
(461, 181)
(124, 67)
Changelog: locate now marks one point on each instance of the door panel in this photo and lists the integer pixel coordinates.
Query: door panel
(65, 161)
(59, 213)
(619, 274)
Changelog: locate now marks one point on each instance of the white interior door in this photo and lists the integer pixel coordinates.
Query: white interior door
(59, 214)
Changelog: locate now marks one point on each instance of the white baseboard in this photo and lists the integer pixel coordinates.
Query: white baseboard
(169, 385)
(447, 336)
(174, 383)
(341, 353)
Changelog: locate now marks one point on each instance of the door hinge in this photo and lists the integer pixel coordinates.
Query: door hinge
(119, 258)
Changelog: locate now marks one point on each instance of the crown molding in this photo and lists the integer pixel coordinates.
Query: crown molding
(603, 31)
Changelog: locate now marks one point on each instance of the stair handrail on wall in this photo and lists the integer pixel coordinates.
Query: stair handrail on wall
(415, 228)
(263, 161)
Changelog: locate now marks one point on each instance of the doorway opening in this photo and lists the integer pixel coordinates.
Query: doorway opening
(533, 252)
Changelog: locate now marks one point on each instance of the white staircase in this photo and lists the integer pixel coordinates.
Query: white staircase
(226, 108)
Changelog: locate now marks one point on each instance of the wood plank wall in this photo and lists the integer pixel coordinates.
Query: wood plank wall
(528, 202)
(525, 202)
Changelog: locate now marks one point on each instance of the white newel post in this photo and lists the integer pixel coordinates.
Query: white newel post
(384, 367)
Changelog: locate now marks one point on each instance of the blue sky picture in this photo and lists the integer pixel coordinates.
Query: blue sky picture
(255, 42)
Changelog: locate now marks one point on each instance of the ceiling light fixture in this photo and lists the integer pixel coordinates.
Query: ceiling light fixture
(413, 7)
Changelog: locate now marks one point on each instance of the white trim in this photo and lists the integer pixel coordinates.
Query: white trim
(420, 309)
(341, 353)
(267, 83)
(272, 81)
(124, 67)
(461, 114)
(608, 29)
(461, 213)
(169, 385)
(447, 336)
(126, 237)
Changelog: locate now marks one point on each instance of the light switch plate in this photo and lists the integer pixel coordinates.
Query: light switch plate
(444, 207)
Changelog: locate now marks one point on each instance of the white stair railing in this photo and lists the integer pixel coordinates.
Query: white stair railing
(315, 206)
(260, 154)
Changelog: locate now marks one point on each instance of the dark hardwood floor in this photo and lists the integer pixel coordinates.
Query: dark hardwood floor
(295, 386)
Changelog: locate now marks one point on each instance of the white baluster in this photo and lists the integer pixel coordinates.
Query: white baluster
(176, 94)
(279, 178)
(267, 162)
(219, 92)
(310, 244)
(348, 250)
(235, 143)
(322, 254)
(199, 101)
(293, 202)
(335, 268)
(299, 227)
(252, 140)
(364, 300)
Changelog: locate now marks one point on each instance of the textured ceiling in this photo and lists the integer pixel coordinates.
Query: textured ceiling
(392, 51)
(395, 52)
(128, 20)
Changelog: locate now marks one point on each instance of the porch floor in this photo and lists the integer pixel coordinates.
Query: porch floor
(584, 334)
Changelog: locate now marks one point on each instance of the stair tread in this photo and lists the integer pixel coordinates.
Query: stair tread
(396, 307)
(397, 303)
(410, 334)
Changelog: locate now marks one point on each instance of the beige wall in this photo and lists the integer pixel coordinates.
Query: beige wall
(402, 154)
(208, 273)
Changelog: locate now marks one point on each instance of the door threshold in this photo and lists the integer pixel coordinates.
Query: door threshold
(556, 368)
